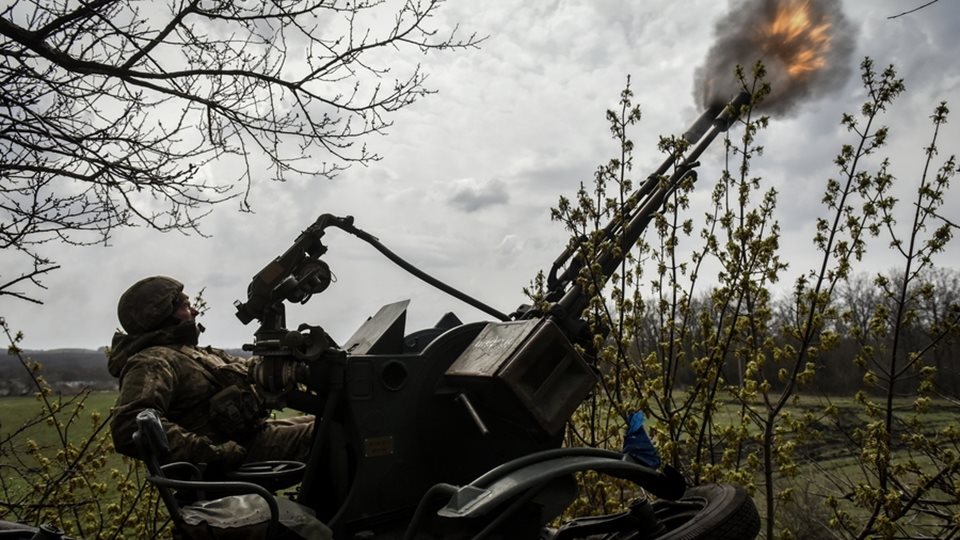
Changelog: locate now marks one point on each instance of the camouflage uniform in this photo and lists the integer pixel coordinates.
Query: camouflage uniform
(163, 369)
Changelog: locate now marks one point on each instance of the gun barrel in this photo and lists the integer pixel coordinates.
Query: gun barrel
(648, 199)
(705, 122)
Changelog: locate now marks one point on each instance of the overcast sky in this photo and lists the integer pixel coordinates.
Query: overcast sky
(468, 175)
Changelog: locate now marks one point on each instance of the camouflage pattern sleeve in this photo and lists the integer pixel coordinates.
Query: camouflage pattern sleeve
(149, 380)
(239, 363)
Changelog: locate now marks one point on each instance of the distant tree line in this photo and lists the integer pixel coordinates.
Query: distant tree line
(934, 300)
(67, 371)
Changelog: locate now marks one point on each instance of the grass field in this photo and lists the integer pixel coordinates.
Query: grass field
(71, 476)
(18, 412)
(831, 451)
(830, 464)
(25, 443)
(15, 412)
(28, 439)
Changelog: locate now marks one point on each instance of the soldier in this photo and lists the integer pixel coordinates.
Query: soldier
(210, 413)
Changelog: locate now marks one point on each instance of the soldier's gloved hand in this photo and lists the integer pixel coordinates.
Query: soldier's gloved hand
(228, 455)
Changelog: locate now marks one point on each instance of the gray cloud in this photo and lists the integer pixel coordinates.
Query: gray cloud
(527, 109)
(471, 195)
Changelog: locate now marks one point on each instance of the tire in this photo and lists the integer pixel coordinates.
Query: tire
(713, 511)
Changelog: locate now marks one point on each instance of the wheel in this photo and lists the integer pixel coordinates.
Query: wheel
(267, 469)
(713, 511)
(273, 475)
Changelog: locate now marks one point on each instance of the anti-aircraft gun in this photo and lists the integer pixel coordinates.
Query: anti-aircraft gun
(405, 418)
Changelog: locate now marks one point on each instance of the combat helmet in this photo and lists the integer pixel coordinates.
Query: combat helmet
(149, 303)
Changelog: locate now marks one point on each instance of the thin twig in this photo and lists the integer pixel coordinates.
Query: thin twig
(914, 9)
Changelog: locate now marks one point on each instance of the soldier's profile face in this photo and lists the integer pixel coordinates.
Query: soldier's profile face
(185, 311)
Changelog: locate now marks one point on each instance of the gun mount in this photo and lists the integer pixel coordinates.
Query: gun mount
(399, 412)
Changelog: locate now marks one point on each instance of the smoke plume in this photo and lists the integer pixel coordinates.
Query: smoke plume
(805, 45)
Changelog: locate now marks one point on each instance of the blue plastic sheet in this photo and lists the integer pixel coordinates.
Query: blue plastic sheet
(637, 443)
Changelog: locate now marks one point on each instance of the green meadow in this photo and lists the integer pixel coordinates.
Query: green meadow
(822, 459)
(830, 450)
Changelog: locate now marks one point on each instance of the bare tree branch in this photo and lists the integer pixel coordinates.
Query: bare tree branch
(112, 110)
(912, 10)
(945, 220)
(31, 276)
